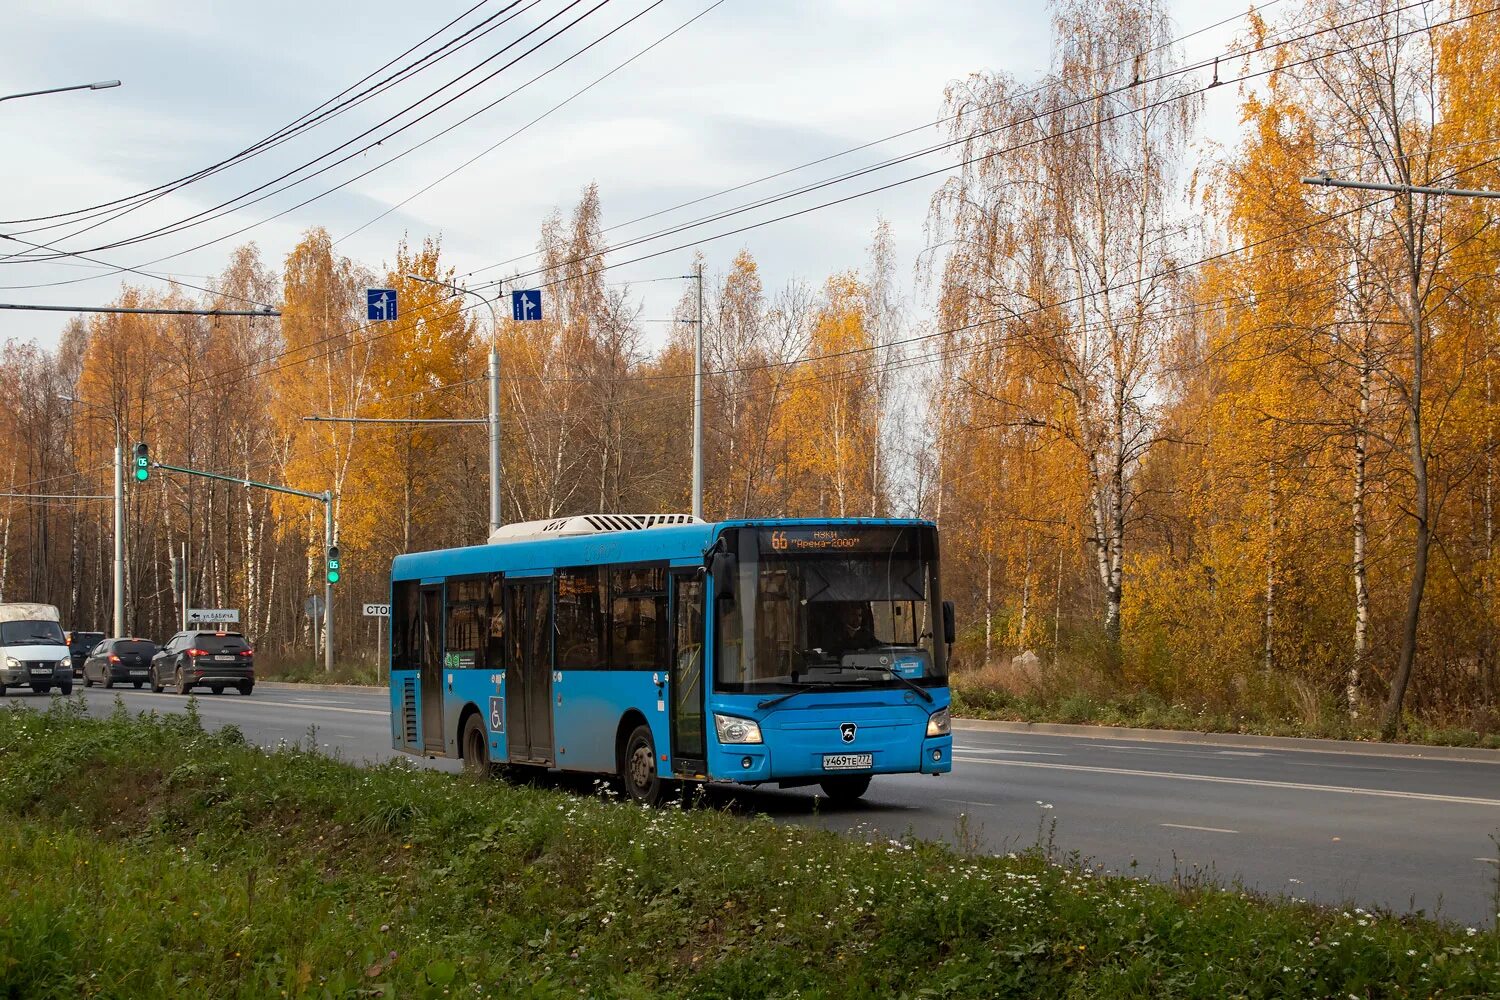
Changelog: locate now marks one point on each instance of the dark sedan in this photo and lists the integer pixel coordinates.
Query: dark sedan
(119, 661)
(214, 660)
(79, 646)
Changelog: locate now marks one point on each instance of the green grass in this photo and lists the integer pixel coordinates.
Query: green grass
(303, 671)
(979, 699)
(143, 857)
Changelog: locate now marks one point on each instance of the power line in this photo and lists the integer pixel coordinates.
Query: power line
(556, 107)
(1203, 65)
(183, 223)
(250, 150)
(148, 311)
(1050, 112)
(222, 209)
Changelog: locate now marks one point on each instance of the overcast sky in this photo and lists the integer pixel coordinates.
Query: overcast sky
(750, 88)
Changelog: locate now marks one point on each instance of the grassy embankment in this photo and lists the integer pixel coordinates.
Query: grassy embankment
(145, 857)
(1078, 695)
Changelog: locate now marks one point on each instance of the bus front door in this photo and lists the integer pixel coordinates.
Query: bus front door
(528, 677)
(431, 625)
(689, 746)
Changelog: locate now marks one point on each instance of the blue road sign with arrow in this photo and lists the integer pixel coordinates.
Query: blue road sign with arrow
(526, 304)
(380, 304)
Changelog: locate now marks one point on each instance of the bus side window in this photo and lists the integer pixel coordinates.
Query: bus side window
(404, 636)
(638, 618)
(468, 609)
(578, 619)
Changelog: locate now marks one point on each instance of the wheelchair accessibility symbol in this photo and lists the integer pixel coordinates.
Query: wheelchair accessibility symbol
(497, 715)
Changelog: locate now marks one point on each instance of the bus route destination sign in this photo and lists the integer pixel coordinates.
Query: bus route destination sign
(844, 539)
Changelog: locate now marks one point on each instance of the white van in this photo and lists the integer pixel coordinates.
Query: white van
(33, 652)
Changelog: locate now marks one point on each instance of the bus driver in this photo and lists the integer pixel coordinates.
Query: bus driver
(846, 628)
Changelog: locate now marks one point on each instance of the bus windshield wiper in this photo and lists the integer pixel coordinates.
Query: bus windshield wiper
(801, 687)
(891, 673)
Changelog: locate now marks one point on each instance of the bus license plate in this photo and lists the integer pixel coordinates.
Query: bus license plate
(848, 761)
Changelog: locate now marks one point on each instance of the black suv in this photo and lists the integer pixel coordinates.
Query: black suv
(119, 661)
(79, 646)
(215, 660)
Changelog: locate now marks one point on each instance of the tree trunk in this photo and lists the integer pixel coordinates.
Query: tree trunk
(1361, 578)
(1390, 722)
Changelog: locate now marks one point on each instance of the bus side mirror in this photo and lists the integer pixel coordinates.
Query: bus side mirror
(724, 567)
(950, 624)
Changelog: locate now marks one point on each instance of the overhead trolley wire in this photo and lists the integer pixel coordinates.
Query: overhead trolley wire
(1184, 95)
(224, 207)
(307, 120)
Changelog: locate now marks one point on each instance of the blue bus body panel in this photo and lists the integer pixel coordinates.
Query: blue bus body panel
(588, 705)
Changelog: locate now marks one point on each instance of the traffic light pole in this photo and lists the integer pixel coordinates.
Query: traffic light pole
(327, 583)
(326, 499)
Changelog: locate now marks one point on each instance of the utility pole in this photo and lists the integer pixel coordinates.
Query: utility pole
(119, 567)
(327, 583)
(492, 375)
(698, 402)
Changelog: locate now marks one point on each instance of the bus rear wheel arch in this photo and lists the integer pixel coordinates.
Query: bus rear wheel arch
(474, 746)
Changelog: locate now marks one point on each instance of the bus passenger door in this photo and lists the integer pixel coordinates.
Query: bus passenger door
(528, 677)
(431, 625)
(689, 739)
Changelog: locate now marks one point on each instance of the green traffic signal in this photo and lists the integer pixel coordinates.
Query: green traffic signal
(333, 564)
(142, 462)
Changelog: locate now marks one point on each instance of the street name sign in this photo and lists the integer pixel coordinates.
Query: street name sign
(213, 616)
(526, 304)
(380, 304)
(377, 610)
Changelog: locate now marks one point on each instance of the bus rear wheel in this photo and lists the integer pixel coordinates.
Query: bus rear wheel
(638, 768)
(846, 787)
(476, 749)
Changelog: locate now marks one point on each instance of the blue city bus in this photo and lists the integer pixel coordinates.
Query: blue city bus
(579, 644)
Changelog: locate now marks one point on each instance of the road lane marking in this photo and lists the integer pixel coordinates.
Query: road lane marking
(1385, 793)
(968, 802)
(1204, 829)
(1028, 753)
(1240, 753)
(1488, 861)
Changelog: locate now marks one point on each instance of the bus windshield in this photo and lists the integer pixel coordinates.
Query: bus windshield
(845, 606)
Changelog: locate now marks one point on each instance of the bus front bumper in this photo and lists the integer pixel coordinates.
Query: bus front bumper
(756, 763)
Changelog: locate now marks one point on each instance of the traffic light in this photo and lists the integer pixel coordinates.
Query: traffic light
(142, 462)
(333, 564)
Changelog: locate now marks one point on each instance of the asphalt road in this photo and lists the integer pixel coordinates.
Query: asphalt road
(1373, 831)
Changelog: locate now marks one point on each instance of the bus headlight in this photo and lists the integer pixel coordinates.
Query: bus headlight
(733, 729)
(939, 723)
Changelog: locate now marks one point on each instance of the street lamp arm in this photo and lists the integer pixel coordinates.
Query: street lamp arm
(97, 85)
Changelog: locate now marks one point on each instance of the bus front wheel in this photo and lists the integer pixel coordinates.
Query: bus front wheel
(638, 767)
(846, 788)
(476, 748)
